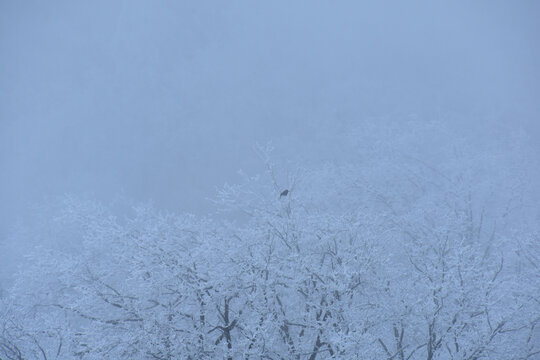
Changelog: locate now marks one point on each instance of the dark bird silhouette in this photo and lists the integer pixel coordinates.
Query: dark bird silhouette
(284, 193)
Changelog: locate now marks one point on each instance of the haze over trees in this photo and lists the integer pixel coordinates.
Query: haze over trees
(380, 255)
(299, 180)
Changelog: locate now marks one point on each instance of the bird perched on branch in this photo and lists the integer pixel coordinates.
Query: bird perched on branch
(284, 193)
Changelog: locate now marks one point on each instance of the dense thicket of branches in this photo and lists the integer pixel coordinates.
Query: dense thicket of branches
(390, 252)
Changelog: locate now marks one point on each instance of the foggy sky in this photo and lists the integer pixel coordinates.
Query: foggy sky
(164, 100)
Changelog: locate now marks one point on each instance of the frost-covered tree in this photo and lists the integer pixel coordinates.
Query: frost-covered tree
(389, 252)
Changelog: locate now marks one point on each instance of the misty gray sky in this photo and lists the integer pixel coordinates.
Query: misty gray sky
(164, 100)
